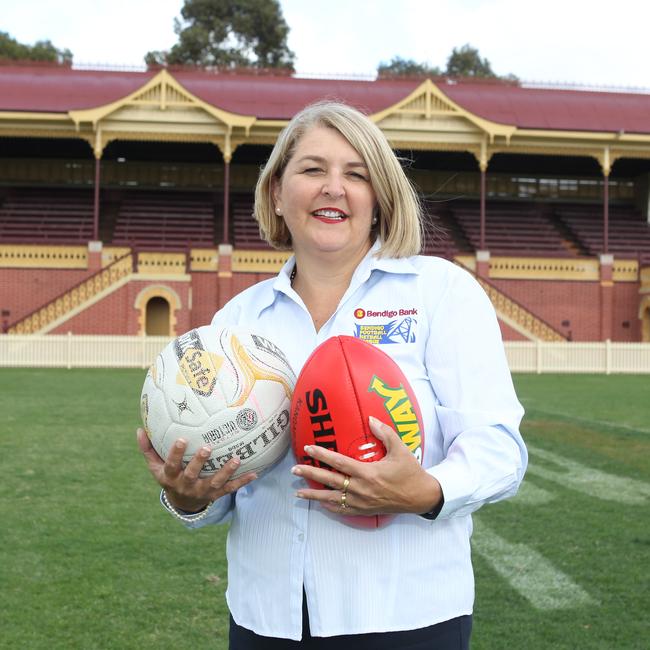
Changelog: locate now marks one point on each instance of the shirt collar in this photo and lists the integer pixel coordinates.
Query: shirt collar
(398, 265)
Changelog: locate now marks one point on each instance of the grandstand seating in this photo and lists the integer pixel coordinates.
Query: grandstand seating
(46, 216)
(442, 234)
(629, 233)
(246, 232)
(165, 220)
(512, 228)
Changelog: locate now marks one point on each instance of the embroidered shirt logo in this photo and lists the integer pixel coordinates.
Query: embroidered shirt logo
(395, 331)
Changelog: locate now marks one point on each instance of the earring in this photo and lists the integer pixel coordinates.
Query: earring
(374, 220)
(278, 211)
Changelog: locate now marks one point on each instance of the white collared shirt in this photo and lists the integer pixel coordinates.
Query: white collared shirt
(437, 323)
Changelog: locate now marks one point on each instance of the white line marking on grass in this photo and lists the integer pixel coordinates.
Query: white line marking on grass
(592, 482)
(615, 425)
(532, 495)
(529, 572)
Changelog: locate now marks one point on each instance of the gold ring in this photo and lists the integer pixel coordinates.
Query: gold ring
(345, 484)
(344, 496)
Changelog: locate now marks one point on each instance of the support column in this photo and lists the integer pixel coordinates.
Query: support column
(483, 255)
(606, 296)
(96, 197)
(95, 255)
(606, 213)
(224, 275)
(482, 204)
(483, 264)
(226, 200)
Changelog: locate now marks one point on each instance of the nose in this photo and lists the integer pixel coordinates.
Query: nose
(333, 186)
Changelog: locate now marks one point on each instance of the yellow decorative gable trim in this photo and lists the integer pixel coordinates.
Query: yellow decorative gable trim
(161, 92)
(428, 102)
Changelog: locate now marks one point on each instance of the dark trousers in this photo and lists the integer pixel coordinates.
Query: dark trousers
(449, 635)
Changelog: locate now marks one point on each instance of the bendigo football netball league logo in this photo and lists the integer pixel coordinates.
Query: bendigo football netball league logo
(401, 411)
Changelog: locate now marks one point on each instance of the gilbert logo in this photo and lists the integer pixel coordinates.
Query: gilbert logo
(359, 313)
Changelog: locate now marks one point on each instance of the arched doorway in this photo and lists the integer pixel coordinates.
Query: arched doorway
(157, 317)
(157, 306)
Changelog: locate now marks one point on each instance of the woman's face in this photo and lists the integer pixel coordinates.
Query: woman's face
(325, 195)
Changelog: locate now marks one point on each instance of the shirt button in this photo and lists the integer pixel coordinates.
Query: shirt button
(301, 537)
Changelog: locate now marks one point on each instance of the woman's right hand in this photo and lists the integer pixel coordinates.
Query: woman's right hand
(182, 485)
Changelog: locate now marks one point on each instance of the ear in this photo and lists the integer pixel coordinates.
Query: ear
(276, 188)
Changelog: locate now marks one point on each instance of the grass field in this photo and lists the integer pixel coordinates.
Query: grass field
(89, 560)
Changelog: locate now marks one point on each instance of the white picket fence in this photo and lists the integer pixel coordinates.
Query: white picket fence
(77, 351)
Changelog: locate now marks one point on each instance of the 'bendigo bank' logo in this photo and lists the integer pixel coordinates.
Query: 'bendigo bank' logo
(401, 411)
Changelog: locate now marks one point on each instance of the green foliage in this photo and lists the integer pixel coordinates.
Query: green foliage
(399, 67)
(11, 49)
(92, 561)
(466, 61)
(463, 61)
(229, 34)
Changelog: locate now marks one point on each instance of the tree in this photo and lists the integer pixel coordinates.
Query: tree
(399, 67)
(463, 61)
(229, 34)
(467, 62)
(11, 49)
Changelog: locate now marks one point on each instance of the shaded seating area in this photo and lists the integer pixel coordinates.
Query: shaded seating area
(442, 234)
(512, 228)
(164, 220)
(46, 216)
(629, 233)
(245, 231)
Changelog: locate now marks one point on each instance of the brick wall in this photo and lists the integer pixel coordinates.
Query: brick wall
(23, 290)
(510, 334)
(577, 303)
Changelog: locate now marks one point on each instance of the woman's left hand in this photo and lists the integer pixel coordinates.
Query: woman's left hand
(396, 483)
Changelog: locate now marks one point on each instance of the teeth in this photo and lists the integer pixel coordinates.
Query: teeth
(330, 214)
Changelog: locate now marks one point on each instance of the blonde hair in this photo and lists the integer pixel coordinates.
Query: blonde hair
(399, 224)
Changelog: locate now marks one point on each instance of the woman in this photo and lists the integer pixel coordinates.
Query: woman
(335, 193)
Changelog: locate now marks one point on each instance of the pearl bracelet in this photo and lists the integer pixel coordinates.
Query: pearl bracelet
(185, 518)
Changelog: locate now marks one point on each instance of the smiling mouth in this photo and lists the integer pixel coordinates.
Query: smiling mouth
(330, 215)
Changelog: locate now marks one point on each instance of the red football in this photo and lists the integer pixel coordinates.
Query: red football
(343, 382)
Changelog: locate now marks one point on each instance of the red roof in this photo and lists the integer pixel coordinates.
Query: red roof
(46, 88)
(544, 108)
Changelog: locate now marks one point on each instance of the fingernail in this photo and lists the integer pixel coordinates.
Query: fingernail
(308, 449)
(296, 470)
(205, 451)
(235, 461)
(180, 443)
(300, 495)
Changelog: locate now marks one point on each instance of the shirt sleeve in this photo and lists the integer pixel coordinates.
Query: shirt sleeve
(484, 456)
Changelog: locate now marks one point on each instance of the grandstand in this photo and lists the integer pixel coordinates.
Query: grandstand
(157, 220)
(62, 216)
(138, 187)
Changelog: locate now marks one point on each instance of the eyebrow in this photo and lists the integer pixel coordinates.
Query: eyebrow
(320, 159)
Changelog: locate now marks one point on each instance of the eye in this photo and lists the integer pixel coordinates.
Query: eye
(358, 176)
(312, 170)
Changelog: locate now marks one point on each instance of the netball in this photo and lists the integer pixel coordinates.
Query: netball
(229, 389)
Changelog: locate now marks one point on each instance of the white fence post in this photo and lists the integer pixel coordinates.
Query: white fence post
(608, 357)
(69, 349)
(538, 363)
